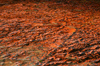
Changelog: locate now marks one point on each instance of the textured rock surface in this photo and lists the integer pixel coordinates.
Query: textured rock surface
(50, 34)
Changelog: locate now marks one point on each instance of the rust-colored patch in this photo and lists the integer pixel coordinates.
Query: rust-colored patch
(49, 33)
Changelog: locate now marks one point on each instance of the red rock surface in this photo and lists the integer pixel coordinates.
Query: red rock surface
(49, 33)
